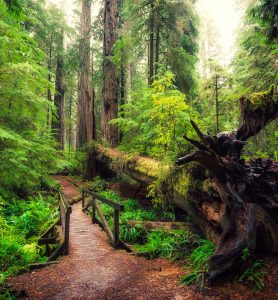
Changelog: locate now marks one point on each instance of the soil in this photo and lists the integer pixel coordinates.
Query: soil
(94, 270)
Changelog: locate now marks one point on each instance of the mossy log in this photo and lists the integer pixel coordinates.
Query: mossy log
(168, 226)
(109, 163)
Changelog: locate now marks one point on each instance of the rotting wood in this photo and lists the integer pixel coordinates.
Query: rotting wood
(108, 163)
(244, 194)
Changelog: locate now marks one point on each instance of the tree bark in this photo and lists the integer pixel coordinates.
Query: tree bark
(157, 45)
(107, 162)
(85, 127)
(110, 133)
(58, 122)
(244, 213)
(151, 45)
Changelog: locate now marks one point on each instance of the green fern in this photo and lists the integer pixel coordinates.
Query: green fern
(254, 275)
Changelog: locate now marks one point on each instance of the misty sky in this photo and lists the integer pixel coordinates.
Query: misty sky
(223, 12)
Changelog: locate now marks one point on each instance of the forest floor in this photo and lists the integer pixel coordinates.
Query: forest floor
(94, 270)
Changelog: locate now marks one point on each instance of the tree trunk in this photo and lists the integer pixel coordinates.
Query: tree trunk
(58, 122)
(110, 133)
(157, 44)
(151, 46)
(85, 128)
(107, 162)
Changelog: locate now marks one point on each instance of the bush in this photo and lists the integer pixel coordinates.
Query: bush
(135, 234)
(21, 223)
(172, 244)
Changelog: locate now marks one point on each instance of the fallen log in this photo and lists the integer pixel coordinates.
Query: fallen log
(241, 197)
(109, 163)
(150, 225)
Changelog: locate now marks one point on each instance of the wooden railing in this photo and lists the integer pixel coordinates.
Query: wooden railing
(65, 211)
(93, 202)
(50, 237)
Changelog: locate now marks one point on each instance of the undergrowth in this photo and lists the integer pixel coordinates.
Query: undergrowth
(198, 263)
(22, 221)
(165, 244)
(175, 244)
(253, 277)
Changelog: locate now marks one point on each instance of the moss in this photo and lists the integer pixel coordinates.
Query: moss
(182, 184)
(260, 99)
(157, 188)
(149, 167)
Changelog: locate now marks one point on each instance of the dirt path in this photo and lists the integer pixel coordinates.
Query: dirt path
(94, 270)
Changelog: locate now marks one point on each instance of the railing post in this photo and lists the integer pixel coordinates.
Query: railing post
(94, 211)
(116, 228)
(67, 229)
(60, 211)
(83, 199)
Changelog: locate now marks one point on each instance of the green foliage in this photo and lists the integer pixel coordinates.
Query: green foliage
(155, 120)
(132, 209)
(73, 163)
(175, 24)
(27, 149)
(245, 254)
(199, 263)
(133, 235)
(172, 244)
(256, 60)
(253, 276)
(22, 221)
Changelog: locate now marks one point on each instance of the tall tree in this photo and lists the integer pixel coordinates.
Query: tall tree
(166, 33)
(85, 128)
(59, 99)
(151, 43)
(110, 133)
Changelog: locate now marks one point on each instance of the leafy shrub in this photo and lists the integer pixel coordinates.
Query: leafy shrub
(199, 263)
(73, 162)
(254, 275)
(35, 219)
(172, 244)
(111, 195)
(21, 223)
(131, 204)
(155, 120)
(98, 185)
(135, 234)
(138, 215)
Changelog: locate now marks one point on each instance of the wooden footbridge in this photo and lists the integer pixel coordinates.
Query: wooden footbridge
(90, 205)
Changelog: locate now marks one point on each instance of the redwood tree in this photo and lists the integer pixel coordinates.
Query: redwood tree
(85, 129)
(110, 133)
(59, 100)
